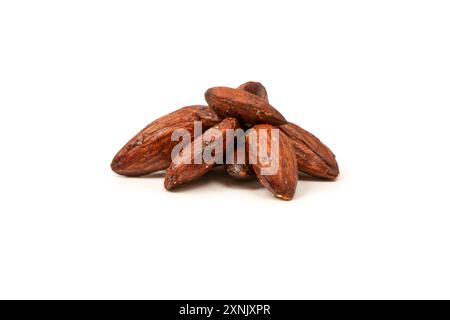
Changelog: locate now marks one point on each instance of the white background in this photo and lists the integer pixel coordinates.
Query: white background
(79, 78)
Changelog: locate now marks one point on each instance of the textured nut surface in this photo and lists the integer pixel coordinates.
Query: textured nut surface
(149, 150)
(180, 172)
(313, 157)
(240, 171)
(284, 182)
(255, 88)
(246, 106)
(245, 170)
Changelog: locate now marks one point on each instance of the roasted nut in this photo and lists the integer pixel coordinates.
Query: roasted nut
(247, 107)
(255, 88)
(272, 149)
(283, 181)
(240, 171)
(150, 150)
(313, 157)
(244, 170)
(181, 171)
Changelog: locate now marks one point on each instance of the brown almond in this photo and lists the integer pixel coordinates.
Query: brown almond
(247, 107)
(180, 172)
(245, 170)
(283, 182)
(240, 170)
(150, 150)
(255, 88)
(313, 157)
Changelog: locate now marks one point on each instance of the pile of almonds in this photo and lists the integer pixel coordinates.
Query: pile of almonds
(244, 107)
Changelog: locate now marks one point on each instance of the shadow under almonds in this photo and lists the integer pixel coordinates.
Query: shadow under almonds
(219, 176)
(155, 175)
(305, 177)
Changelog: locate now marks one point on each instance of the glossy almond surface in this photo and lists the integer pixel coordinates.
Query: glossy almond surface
(313, 156)
(284, 181)
(246, 106)
(150, 150)
(180, 172)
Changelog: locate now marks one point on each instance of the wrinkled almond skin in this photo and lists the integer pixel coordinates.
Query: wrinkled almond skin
(255, 88)
(284, 182)
(179, 173)
(244, 171)
(149, 151)
(313, 157)
(246, 106)
(240, 171)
